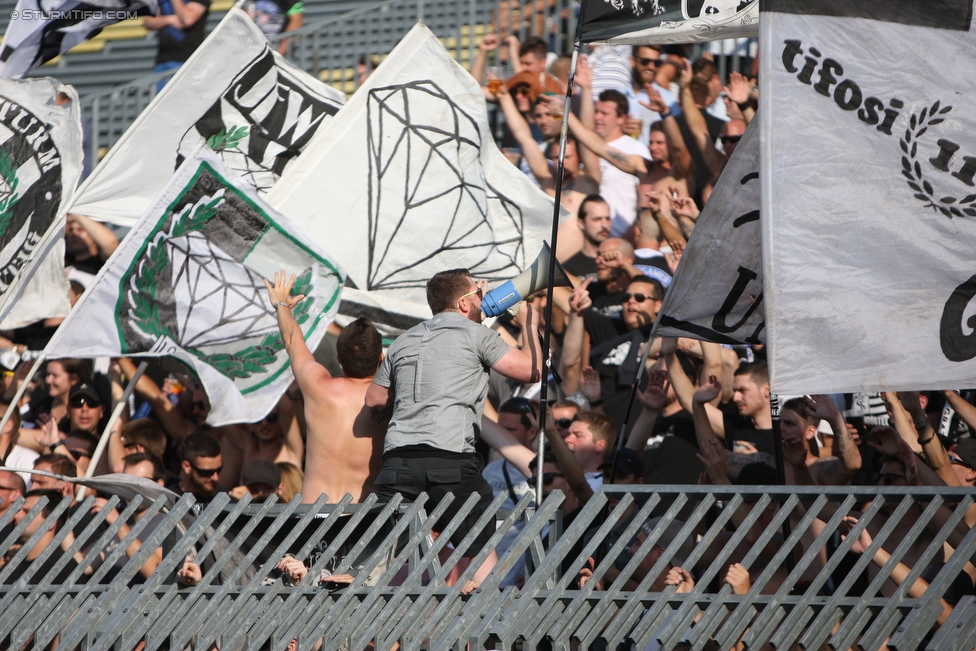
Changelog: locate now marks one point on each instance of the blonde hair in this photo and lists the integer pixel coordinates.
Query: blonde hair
(291, 480)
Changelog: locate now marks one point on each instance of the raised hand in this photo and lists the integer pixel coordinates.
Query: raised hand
(739, 88)
(821, 406)
(579, 300)
(584, 73)
(655, 396)
(715, 461)
(709, 391)
(589, 384)
(654, 102)
(489, 43)
(280, 292)
(685, 207)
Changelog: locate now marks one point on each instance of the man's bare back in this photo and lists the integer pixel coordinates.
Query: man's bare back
(344, 450)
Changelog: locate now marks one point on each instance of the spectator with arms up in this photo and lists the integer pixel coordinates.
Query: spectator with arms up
(344, 443)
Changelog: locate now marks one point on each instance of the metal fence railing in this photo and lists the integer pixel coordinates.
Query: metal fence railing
(73, 577)
(341, 49)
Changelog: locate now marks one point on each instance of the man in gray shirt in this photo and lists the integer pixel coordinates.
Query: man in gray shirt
(432, 385)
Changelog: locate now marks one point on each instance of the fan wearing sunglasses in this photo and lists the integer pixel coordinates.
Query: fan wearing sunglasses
(613, 355)
(85, 410)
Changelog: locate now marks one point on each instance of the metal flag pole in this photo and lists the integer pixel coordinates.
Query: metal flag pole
(547, 334)
(107, 433)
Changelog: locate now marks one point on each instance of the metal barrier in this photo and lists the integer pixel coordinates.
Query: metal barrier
(83, 586)
(337, 50)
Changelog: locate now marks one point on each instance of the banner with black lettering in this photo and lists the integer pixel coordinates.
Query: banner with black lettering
(243, 100)
(868, 196)
(717, 291)
(40, 163)
(645, 22)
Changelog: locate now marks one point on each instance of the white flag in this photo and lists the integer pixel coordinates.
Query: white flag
(187, 284)
(868, 194)
(235, 94)
(717, 291)
(38, 32)
(408, 180)
(40, 163)
(647, 22)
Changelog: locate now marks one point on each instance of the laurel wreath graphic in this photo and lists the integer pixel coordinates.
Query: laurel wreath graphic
(917, 126)
(145, 310)
(9, 173)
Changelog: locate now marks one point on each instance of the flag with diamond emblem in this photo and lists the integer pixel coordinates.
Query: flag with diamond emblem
(187, 284)
(408, 177)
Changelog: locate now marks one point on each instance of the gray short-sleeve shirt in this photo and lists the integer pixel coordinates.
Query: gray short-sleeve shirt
(438, 372)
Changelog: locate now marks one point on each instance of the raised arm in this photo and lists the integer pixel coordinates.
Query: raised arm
(653, 398)
(684, 166)
(307, 371)
(698, 126)
(103, 236)
(846, 452)
(684, 388)
(537, 161)
(584, 79)
(500, 439)
(525, 364)
(738, 91)
(488, 43)
(592, 141)
(569, 361)
(167, 413)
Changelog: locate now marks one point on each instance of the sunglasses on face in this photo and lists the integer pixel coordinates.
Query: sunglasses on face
(959, 462)
(564, 423)
(522, 91)
(78, 454)
(206, 472)
(271, 418)
(646, 62)
(638, 298)
(728, 139)
(80, 401)
(547, 478)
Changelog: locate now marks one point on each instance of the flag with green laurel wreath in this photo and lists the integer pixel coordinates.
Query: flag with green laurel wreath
(187, 284)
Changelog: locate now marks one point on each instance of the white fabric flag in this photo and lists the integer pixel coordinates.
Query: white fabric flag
(868, 195)
(187, 284)
(717, 291)
(407, 177)
(236, 95)
(647, 22)
(40, 30)
(40, 163)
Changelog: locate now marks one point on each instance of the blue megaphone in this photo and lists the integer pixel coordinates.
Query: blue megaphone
(525, 284)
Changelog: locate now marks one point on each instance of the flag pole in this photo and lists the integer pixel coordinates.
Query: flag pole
(547, 332)
(21, 390)
(107, 433)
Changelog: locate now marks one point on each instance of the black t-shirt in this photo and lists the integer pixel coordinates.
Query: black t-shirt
(615, 358)
(581, 265)
(91, 265)
(674, 460)
(178, 44)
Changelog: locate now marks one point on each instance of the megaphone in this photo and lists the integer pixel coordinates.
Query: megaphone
(527, 283)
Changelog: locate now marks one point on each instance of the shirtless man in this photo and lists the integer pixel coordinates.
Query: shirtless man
(345, 445)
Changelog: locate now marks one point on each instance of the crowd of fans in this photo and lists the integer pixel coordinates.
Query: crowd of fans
(453, 406)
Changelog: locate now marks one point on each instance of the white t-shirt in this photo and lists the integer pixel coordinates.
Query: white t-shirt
(21, 457)
(619, 188)
(647, 116)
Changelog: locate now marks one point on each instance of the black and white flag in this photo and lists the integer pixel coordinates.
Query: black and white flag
(40, 163)
(869, 194)
(645, 22)
(40, 30)
(717, 291)
(236, 95)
